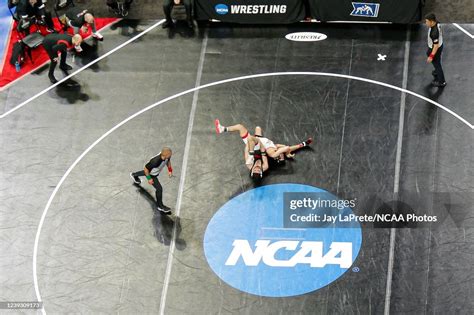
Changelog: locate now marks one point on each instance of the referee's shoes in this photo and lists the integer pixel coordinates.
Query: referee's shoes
(164, 209)
(135, 179)
(438, 84)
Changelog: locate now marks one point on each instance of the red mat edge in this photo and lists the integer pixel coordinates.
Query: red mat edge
(9, 84)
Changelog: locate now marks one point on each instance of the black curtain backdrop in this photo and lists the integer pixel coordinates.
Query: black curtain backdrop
(290, 11)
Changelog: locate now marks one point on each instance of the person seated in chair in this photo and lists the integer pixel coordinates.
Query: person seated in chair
(29, 11)
(58, 44)
(81, 19)
(168, 5)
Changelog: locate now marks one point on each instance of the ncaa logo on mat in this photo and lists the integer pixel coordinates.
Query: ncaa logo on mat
(221, 9)
(247, 246)
(365, 9)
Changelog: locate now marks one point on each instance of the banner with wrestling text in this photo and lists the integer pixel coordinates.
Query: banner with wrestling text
(250, 11)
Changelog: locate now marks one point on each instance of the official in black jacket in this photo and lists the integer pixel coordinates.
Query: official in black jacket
(151, 170)
(29, 9)
(435, 49)
(58, 44)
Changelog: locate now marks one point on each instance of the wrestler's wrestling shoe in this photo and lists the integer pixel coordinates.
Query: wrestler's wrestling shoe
(219, 127)
(307, 142)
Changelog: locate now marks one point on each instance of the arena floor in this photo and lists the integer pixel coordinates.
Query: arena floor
(77, 235)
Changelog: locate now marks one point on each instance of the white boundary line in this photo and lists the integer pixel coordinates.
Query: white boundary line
(344, 121)
(464, 30)
(123, 122)
(396, 180)
(327, 74)
(182, 178)
(82, 69)
(107, 54)
(433, 185)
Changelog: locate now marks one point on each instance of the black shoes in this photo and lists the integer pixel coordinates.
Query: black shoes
(66, 67)
(171, 24)
(164, 209)
(135, 179)
(435, 82)
(438, 84)
(168, 24)
(52, 79)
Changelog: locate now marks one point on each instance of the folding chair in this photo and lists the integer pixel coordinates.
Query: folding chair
(32, 40)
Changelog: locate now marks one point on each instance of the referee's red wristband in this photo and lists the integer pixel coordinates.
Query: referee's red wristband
(170, 169)
(432, 55)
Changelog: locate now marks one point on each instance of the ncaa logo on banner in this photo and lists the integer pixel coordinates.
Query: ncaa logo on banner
(365, 9)
(248, 247)
(221, 9)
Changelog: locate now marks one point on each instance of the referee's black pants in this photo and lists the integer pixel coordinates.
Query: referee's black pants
(438, 74)
(157, 185)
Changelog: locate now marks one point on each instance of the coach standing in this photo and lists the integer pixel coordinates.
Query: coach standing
(58, 44)
(435, 49)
